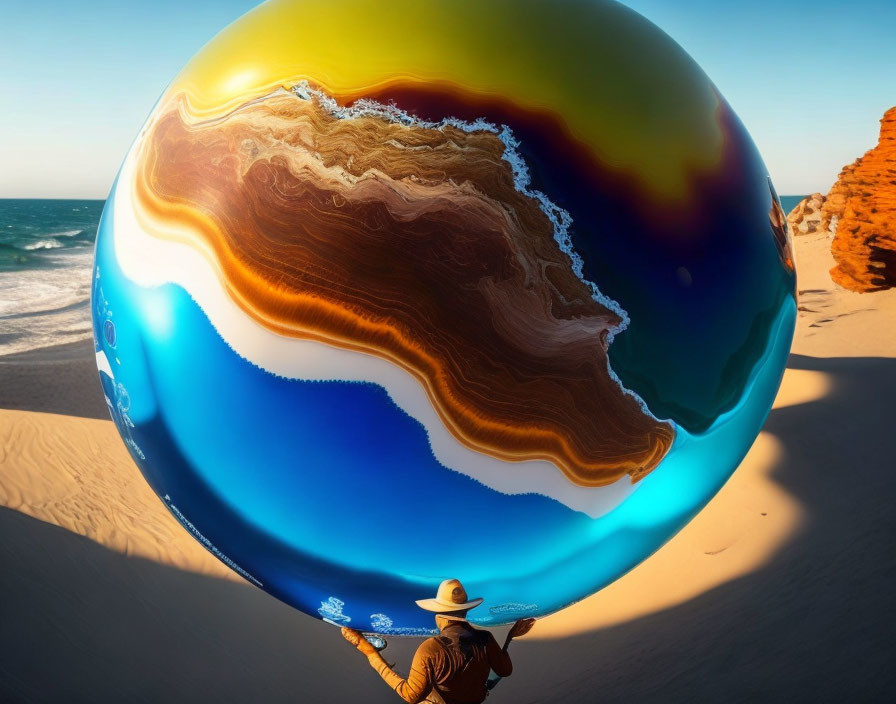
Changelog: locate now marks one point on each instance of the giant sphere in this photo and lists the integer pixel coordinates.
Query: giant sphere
(388, 293)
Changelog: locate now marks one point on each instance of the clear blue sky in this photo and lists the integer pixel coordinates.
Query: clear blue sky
(810, 78)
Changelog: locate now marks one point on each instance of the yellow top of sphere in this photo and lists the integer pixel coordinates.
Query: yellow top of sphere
(623, 88)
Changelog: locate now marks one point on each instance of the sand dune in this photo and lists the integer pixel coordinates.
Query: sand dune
(834, 322)
(781, 588)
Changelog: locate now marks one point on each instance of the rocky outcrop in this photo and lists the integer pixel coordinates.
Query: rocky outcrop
(860, 212)
(808, 216)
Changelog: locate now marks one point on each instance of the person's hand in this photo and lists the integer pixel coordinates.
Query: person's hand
(359, 641)
(521, 627)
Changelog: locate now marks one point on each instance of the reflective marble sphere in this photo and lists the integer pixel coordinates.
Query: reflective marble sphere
(389, 293)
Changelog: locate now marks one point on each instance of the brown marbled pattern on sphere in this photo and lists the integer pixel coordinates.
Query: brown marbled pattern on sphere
(413, 244)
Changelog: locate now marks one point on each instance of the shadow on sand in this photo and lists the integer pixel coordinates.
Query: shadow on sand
(817, 623)
(61, 380)
(81, 622)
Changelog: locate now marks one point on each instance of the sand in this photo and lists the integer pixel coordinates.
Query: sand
(780, 588)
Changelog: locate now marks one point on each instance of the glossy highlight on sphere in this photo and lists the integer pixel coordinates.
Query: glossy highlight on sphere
(507, 300)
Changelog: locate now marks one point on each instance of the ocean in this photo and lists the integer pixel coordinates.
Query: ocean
(46, 255)
(788, 203)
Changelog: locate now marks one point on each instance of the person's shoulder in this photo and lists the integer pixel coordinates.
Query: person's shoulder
(430, 645)
(482, 633)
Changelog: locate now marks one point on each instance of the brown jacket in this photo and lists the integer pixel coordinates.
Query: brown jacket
(455, 664)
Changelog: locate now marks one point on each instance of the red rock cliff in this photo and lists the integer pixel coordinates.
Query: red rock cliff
(860, 211)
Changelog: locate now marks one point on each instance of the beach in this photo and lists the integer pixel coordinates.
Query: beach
(780, 588)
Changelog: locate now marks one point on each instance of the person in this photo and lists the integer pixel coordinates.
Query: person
(454, 666)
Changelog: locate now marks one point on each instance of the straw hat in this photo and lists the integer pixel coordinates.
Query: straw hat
(451, 597)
